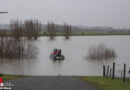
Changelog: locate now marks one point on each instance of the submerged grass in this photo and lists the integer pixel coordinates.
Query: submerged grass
(107, 83)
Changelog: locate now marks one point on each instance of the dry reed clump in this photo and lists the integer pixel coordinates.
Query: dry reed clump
(101, 52)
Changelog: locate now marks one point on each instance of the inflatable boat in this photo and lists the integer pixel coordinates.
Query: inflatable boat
(54, 57)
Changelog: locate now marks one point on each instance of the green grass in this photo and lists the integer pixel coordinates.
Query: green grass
(107, 83)
(79, 34)
(9, 77)
(90, 34)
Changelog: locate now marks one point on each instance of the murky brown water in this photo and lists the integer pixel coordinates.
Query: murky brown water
(75, 51)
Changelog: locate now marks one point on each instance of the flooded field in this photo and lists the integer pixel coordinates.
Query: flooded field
(75, 51)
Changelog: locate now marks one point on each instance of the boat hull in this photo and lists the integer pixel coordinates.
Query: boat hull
(54, 57)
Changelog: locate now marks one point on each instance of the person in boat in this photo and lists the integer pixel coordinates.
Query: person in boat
(59, 52)
(54, 52)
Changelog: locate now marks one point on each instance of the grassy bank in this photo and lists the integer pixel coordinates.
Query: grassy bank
(107, 83)
(79, 34)
(9, 77)
(90, 34)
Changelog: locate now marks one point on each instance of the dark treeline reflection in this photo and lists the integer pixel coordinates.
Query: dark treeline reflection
(101, 52)
(11, 48)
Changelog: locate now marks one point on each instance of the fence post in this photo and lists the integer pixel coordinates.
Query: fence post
(110, 73)
(103, 70)
(113, 74)
(107, 70)
(124, 73)
(121, 74)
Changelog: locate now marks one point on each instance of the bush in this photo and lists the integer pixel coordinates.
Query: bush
(101, 53)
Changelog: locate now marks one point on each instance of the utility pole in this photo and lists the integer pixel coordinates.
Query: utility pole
(4, 12)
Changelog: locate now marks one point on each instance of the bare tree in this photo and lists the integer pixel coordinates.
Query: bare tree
(51, 30)
(3, 33)
(67, 30)
(18, 47)
(16, 29)
(28, 27)
(32, 28)
(37, 29)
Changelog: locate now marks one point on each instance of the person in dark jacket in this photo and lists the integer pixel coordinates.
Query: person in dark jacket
(59, 52)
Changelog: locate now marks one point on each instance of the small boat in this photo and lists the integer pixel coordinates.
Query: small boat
(54, 57)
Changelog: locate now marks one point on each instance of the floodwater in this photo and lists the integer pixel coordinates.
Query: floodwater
(75, 51)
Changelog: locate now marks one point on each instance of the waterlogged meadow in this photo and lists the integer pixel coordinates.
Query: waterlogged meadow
(75, 50)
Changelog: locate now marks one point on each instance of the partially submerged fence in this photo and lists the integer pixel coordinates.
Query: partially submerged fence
(111, 71)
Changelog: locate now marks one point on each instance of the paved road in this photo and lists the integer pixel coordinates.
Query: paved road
(51, 83)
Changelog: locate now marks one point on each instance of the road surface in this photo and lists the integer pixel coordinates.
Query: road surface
(50, 83)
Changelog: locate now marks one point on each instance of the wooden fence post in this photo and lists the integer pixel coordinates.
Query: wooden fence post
(121, 74)
(110, 73)
(113, 74)
(124, 73)
(103, 70)
(107, 71)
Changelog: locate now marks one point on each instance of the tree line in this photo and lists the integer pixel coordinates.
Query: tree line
(30, 28)
(17, 42)
(52, 30)
(33, 28)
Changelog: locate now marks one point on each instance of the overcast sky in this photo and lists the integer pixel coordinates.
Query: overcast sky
(114, 13)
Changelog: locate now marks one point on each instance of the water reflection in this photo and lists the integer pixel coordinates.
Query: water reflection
(57, 62)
